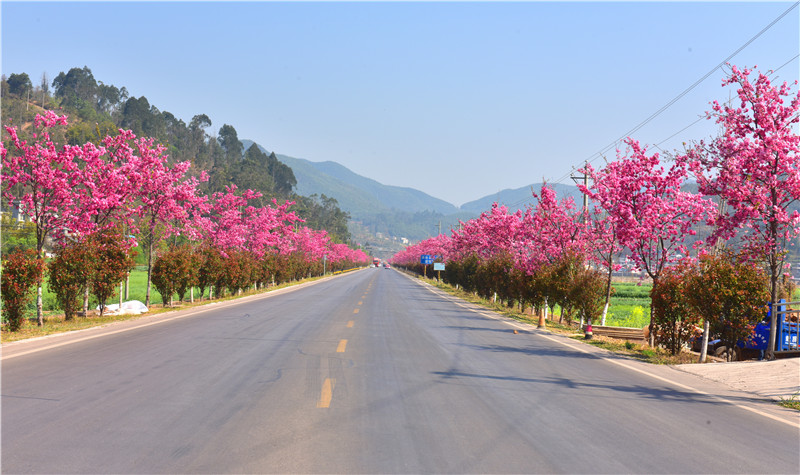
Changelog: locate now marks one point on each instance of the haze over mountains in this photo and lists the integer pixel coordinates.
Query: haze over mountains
(399, 211)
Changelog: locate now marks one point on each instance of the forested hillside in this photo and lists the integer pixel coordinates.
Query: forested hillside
(96, 109)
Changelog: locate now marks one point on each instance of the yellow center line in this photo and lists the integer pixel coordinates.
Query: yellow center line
(350, 324)
(326, 394)
(355, 310)
(342, 346)
(360, 302)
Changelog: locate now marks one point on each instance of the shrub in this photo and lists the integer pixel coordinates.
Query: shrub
(114, 258)
(730, 292)
(675, 320)
(69, 274)
(22, 270)
(209, 268)
(167, 270)
(588, 293)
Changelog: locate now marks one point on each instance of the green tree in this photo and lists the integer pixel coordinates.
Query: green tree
(229, 141)
(19, 84)
(113, 260)
(730, 292)
(75, 87)
(282, 175)
(69, 274)
(675, 319)
(22, 270)
(173, 272)
(252, 173)
(16, 235)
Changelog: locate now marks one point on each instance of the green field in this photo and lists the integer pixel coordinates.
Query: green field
(630, 305)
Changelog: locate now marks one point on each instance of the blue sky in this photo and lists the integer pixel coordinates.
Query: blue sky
(459, 100)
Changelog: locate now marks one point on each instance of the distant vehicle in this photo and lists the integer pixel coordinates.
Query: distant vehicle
(376, 262)
(386, 265)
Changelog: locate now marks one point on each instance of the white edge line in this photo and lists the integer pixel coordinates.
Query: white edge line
(204, 308)
(619, 363)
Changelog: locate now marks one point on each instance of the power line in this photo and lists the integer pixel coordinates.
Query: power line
(600, 153)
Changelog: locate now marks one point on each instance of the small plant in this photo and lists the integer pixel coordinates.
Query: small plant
(792, 402)
(629, 345)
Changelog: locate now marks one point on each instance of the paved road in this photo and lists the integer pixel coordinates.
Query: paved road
(369, 372)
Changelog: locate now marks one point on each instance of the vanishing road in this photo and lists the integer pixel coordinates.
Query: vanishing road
(367, 372)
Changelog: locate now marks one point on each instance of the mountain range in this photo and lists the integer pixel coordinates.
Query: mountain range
(401, 212)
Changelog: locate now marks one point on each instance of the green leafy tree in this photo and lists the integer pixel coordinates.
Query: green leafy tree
(730, 292)
(75, 87)
(588, 293)
(252, 173)
(22, 270)
(209, 268)
(17, 235)
(69, 274)
(282, 175)
(19, 84)
(172, 271)
(113, 260)
(675, 319)
(229, 141)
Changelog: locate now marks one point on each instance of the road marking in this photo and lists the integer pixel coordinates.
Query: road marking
(327, 393)
(350, 324)
(360, 302)
(355, 310)
(156, 319)
(614, 361)
(342, 346)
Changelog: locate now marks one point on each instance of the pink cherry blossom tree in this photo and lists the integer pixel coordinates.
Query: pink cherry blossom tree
(754, 168)
(38, 180)
(164, 198)
(645, 203)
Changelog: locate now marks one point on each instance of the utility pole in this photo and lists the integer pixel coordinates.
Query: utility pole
(584, 218)
(585, 178)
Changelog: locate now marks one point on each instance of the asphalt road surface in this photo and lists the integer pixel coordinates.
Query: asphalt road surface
(368, 372)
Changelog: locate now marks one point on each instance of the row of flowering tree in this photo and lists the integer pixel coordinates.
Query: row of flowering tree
(748, 182)
(106, 197)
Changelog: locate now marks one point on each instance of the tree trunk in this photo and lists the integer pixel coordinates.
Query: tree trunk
(652, 327)
(149, 271)
(773, 314)
(608, 297)
(704, 348)
(86, 301)
(39, 306)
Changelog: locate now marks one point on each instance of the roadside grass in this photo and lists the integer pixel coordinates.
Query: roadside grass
(639, 351)
(54, 321)
(792, 402)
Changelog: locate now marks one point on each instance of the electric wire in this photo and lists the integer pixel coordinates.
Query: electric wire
(658, 145)
(605, 149)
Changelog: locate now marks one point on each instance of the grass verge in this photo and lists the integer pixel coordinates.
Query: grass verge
(792, 402)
